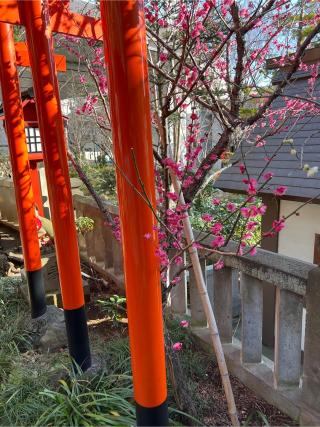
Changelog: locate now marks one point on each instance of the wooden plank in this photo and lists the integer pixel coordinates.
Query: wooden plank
(66, 22)
(62, 19)
(22, 57)
(9, 12)
(316, 254)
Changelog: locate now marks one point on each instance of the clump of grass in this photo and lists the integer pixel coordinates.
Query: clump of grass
(14, 336)
(19, 402)
(102, 400)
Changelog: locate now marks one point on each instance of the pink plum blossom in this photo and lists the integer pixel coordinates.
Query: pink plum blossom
(178, 260)
(262, 209)
(281, 190)
(219, 264)
(252, 184)
(278, 225)
(267, 176)
(172, 196)
(231, 207)
(218, 242)
(242, 168)
(184, 323)
(176, 280)
(216, 228)
(251, 225)
(177, 346)
(197, 245)
(245, 212)
(163, 57)
(206, 217)
(253, 251)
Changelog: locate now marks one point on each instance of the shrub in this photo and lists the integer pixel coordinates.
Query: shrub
(84, 224)
(103, 179)
(203, 204)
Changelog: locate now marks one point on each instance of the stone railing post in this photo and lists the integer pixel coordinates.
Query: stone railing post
(222, 302)
(288, 331)
(117, 257)
(81, 238)
(96, 237)
(178, 294)
(108, 254)
(311, 365)
(198, 317)
(252, 298)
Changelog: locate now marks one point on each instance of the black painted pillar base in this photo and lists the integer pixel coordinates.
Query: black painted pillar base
(78, 339)
(37, 293)
(156, 416)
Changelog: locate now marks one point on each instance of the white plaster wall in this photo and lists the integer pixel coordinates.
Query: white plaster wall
(297, 238)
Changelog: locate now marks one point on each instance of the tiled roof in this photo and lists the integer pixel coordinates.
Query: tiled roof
(287, 168)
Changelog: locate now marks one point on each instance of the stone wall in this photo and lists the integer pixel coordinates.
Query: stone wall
(8, 208)
(99, 247)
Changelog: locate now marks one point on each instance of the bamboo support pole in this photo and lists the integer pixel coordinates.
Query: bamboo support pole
(214, 333)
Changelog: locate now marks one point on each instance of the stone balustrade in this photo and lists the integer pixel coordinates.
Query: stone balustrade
(99, 247)
(8, 208)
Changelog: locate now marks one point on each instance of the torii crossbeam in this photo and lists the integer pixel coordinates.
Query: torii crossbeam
(122, 30)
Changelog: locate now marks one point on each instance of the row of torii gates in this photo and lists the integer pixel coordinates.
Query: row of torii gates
(122, 30)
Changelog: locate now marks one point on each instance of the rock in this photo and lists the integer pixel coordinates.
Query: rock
(49, 331)
(98, 365)
(54, 338)
(16, 257)
(13, 271)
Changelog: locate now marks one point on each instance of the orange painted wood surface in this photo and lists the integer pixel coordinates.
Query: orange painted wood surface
(62, 20)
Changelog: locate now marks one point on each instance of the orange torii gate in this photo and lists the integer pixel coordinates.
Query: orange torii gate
(122, 30)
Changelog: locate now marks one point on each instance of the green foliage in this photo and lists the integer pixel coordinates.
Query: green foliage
(194, 363)
(114, 307)
(5, 165)
(117, 356)
(103, 179)
(84, 224)
(194, 366)
(19, 399)
(246, 112)
(255, 418)
(203, 204)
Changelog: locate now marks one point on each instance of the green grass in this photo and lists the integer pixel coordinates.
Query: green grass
(14, 336)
